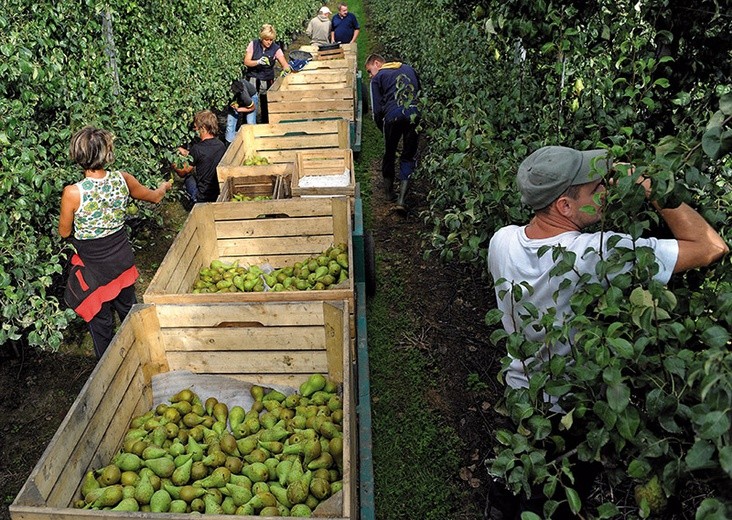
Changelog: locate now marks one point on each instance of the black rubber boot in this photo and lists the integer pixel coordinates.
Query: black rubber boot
(401, 205)
(389, 194)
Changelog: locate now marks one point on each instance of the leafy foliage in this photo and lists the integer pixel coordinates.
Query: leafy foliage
(138, 69)
(648, 383)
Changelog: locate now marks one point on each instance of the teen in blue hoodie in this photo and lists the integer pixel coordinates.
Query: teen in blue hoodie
(394, 94)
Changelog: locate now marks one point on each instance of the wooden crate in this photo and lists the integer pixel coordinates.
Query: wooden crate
(274, 232)
(313, 95)
(346, 54)
(255, 170)
(348, 63)
(265, 343)
(279, 143)
(272, 186)
(320, 164)
(331, 54)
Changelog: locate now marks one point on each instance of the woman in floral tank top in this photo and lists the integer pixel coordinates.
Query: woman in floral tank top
(103, 273)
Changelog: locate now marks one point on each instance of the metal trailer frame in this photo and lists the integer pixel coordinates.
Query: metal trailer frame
(364, 283)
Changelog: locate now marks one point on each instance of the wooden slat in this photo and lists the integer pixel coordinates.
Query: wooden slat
(290, 314)
(324, 102)
(274, 228)
(224, 172)
(306, 362)
(164, 300)
(334, 90)
(290, 207)
(262, 338)
(270, 247)
(275, 130)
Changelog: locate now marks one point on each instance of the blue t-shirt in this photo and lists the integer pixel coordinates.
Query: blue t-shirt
(343, 28)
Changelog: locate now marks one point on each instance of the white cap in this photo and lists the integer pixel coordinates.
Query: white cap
(324, 10)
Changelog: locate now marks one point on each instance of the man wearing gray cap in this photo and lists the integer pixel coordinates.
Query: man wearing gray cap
(557, 183)
(319, 27)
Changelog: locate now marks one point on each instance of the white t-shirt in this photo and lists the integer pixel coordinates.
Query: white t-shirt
(514, 257)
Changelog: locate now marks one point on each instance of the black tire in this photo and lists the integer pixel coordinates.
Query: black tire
(369, 263)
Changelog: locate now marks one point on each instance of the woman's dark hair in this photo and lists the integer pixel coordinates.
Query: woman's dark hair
(92, 148)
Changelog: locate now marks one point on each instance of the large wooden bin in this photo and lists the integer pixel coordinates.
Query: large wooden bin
(265, 343)
(279, 143)
(275, 232)
(313, 95)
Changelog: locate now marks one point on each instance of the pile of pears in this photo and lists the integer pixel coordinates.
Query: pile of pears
(315, 273)
(280, 458)
(256, 160)
(240, 197)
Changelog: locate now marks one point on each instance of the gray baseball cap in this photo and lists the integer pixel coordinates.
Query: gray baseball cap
(547, 173)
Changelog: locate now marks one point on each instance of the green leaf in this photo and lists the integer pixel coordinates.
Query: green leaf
(700, 455)
(714, 424)
(528, 515)
(607, 510)
(725, 459)
(611, 376)
(628, 422)
(641, 298)
(711, 142)
(550, 486)
(493, 317)
(711, 509)
(575, 504)
(618, 396)
(638, 468)
(715, 337)
(725, 104)
(605, 413)
(621, 347)
(541, 426)
(504, 437)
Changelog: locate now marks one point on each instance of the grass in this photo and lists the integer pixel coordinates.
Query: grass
(415, 454)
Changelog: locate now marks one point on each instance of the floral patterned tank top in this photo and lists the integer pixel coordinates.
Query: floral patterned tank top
(103, 206)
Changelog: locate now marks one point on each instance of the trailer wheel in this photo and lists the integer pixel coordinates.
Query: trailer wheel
(369, 263)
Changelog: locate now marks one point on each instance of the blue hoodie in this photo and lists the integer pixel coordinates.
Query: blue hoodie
(394, 93)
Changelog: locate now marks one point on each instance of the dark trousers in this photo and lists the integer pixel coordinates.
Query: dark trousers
(405, 131)
(262, 85)
(102, 325)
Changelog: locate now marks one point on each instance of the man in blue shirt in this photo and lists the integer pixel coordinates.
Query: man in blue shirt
(344, 28)
(394, 95)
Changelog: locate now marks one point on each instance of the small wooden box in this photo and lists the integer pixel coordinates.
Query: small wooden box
(331, 54)
(272, 186)
(275, 232)
(318, 166)
(264, 343)
(344, 56)
(279, 143)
